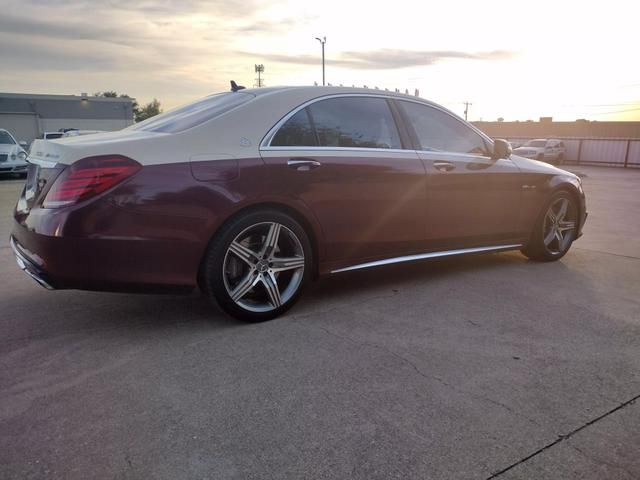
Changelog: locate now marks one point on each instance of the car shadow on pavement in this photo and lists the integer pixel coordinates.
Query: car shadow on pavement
(34, 312)
(394, 278)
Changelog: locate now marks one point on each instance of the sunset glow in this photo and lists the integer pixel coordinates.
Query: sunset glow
(516, 60)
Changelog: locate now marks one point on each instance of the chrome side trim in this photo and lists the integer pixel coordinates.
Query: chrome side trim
(423, 256)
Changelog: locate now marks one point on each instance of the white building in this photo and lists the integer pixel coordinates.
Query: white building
(27, 115)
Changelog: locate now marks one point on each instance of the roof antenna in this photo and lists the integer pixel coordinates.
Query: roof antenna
(235, 87)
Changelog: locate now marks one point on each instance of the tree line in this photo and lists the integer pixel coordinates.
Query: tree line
(140, 113)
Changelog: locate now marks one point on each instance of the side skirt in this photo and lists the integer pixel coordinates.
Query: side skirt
(423, 256)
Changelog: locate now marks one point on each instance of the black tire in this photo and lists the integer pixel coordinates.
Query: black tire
(540, 157)
(216, 272)
(539, 248)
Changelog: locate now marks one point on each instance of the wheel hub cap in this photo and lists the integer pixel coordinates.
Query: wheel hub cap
(263, 267)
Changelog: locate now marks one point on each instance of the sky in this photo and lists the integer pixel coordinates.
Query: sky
(517, 60)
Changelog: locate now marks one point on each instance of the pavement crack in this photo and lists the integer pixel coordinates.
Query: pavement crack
(563, 437)
(606, 253)
(600, 461)
(426, 376)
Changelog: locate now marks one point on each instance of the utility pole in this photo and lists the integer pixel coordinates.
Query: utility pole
(466, 109)
(259, 69)
(322, 41)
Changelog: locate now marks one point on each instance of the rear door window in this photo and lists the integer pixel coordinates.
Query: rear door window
(355, 122)
(296, 132)
(345, 122)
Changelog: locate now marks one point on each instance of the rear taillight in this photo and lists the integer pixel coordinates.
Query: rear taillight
(87, 178)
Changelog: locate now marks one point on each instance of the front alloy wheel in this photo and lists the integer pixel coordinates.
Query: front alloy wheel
(556, 230)
(257, 267)
(558, 227)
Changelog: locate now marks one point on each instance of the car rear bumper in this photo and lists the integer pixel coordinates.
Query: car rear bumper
(26, 263)
(116, 265)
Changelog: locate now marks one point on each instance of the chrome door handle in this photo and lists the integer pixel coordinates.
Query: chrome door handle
(303, 164)
(444, 166)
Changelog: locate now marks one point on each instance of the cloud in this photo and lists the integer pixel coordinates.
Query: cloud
(27, 56)
(70, 30)
(386, 59)
(262, 26)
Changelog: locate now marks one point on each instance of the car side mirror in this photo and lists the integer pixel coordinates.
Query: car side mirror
(22, 143)
(501, 149)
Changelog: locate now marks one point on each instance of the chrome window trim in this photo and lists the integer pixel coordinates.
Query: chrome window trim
(265, 144)
(423, 256)
(338, 149)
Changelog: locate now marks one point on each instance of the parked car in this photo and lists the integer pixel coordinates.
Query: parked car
(12, 155)
(74, 132)
(545, 150)
(250, 194)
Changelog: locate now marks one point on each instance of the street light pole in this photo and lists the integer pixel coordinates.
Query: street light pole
(322, 41)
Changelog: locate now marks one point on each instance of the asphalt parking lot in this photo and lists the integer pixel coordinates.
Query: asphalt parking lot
(465, 368)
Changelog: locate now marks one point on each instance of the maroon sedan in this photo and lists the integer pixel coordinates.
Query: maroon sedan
(249, 194)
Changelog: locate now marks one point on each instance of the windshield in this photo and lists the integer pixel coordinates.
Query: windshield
(6, 139)
(193, 114)
(536, 143)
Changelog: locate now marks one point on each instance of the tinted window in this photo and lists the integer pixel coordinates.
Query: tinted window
(437, 130)
(5, 139)
(354, 122)
(296, 132)
(194, 113)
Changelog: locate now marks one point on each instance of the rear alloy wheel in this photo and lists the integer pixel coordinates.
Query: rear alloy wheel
(258, 265)
(555, 231)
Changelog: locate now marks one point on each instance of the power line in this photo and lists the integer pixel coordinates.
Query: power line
(602, 104)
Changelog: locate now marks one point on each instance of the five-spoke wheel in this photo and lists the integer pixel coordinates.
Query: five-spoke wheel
(558, 227)
(555, 231)
(256, 268)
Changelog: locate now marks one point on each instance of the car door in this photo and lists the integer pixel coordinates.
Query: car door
(473, 200)
(343, 157)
